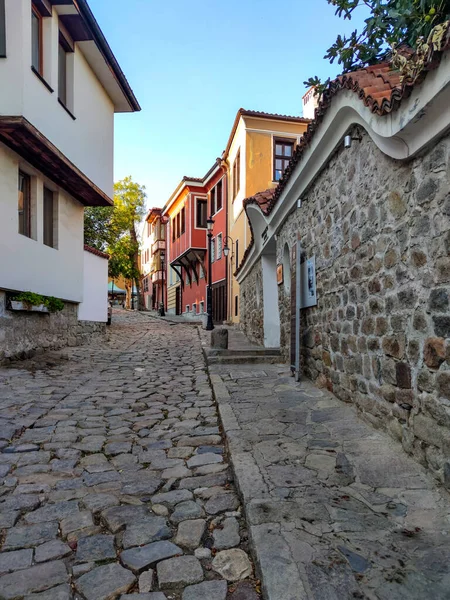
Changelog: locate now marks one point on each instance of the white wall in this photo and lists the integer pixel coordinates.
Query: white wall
(95, 289)
(27, 264)
(270, 298)
(87, 141)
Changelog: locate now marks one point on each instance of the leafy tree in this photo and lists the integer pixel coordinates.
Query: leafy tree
(114, 230)
(129, 209)
(98, 226)
(390, 23)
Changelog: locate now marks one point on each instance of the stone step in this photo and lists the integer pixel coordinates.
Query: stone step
(243, 351)
(244, 359)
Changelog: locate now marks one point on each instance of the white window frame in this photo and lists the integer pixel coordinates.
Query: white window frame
(219, 246)
(213, 249)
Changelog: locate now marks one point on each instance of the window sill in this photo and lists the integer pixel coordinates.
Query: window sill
(67, 110)
(42, 80)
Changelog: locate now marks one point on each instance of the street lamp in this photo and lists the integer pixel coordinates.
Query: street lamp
(161, 310)
(226, 250)
(209, 324)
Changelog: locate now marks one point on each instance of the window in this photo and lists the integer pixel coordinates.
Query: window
(178, 217)
(62, 72)
(2, 29)
(216, 198)
(183, 220)
(237, 253)
(202, 206)
(219, 193)
(236, 173)
(282, 154)
(173, 230)
(36, 41)
(236, 306)
(49, 221)
(213, 249)
(24, 204)
(201, 271)
(219, 246)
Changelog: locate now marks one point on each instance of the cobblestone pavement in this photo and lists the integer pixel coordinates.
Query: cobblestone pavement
(336, 510)
(114, 480)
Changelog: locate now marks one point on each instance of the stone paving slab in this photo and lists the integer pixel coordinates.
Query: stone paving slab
(336, 509)
(113, 473)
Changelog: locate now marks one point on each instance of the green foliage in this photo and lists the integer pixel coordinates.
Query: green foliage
(98, 226)
(390, 23)
(121, 262)
(31, 299)
(113, 229)
(53, 304)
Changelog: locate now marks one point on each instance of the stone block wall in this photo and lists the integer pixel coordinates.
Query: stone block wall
(22, 334)
(379, 337)
(252, 305)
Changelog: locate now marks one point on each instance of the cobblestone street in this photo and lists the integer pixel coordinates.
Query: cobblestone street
(114, 478)
(116, 483)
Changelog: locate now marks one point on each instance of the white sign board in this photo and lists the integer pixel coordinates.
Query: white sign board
(308, 296)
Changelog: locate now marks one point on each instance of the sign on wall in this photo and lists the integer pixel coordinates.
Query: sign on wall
(308, 295)
(279, 274)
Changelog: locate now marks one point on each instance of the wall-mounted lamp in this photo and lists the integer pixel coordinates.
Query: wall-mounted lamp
(349, 139)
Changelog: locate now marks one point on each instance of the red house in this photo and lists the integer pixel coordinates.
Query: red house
(187, 212)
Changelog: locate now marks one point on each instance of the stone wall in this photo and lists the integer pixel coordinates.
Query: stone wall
(252, 305)
(379, 337)
(24, 333)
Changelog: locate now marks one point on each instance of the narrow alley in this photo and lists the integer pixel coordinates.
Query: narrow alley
(117, 482)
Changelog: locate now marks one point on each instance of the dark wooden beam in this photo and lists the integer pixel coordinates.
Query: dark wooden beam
(180, 274)
(76, 28)
(201, 260)
(194, 270)
(181, 259)
(44, 7)
(23, 138)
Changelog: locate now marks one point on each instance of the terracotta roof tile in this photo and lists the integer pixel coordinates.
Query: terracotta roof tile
(96, 252)
(381, 90)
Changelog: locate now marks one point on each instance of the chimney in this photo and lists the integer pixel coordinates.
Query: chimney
(310, 103)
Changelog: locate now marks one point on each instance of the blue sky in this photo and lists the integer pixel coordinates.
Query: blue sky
(193, 63)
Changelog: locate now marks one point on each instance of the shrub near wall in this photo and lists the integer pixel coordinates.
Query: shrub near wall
(379, 337)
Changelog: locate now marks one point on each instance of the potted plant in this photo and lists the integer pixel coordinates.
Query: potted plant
(29, 301)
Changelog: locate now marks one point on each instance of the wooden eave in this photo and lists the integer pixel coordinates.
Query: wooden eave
(21, 136)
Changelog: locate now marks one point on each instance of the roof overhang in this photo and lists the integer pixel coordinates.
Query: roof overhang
(77, 18)
(420, 119)
(18, 134)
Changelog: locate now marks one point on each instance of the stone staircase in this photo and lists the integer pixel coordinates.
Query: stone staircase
(240, 350)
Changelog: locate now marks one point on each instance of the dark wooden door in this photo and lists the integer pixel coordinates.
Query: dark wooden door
(219, 302)
(178, 309)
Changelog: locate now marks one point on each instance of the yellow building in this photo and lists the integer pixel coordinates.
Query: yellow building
(258, 151)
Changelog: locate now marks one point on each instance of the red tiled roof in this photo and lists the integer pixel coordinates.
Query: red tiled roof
(379, 87)
(262, 199)
(96, 252)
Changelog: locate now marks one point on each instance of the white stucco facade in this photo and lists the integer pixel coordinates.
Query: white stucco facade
(95, 304)
(57, 136)
(86, 141)
(26, 263)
